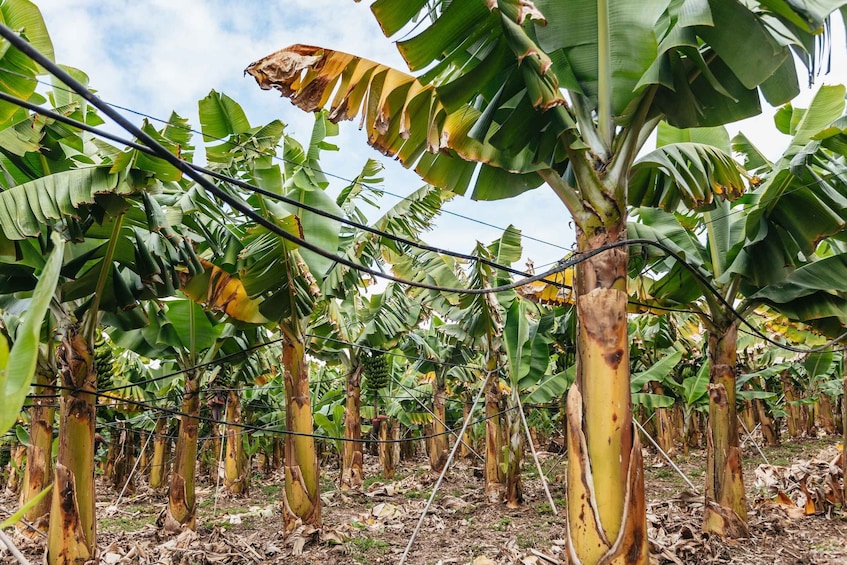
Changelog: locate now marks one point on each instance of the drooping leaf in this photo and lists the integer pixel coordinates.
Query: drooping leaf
(689, 173)
(402, 117)
(24, 209)
(217, 290)
(552, 387)
(19, 368)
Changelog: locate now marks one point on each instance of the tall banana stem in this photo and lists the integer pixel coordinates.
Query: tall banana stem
(606, 510)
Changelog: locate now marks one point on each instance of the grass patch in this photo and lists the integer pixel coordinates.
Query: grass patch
(664, 473)
(270, 490)
(368, 481)
(502, 525)
(363, 549)
(544, 508)
(527, 539)
(123, 524)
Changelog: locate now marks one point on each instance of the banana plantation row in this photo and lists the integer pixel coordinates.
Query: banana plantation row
(709, 264)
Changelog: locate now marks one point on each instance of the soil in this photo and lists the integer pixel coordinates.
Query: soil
(375, 526)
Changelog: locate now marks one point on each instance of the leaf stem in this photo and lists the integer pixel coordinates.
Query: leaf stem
(567, 194)
(605, 121)
(93, 310)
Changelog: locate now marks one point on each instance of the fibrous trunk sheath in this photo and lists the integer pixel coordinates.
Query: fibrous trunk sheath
(439, 445)
(351, 451)
(495, 487)
(161, 444)
(73, 533)
(181, 496)
(386, 448)
(39, 459)
(606, 506)
(301, 495)
(235, 468)
(726, 504)
(513, 453)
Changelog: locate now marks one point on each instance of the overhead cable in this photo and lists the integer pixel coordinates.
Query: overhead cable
(160, 151)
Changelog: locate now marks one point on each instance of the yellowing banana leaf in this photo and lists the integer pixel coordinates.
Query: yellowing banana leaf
(556, 290)
(402, 117)
(218, 290)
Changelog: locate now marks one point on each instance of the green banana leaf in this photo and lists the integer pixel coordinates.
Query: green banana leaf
(552, 387)
(17, 366)
(659, 372)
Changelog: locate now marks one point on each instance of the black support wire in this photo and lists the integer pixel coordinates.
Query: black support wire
(250, 187)
(351, 181)
(275, 157)
(256, 189)
(268, 427)
(237, 204)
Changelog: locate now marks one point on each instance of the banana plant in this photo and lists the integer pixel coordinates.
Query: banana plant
(241, 372)
(38, 471)
(725, 261)
(122, 249)
(439, 352)
(509, 95)
(277, 283)
(360, 329)
(182, 335)
(352, 319)
(760, 368)
(476, 319)
(527, 344)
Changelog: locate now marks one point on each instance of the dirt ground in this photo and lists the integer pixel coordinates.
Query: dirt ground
(375, 526)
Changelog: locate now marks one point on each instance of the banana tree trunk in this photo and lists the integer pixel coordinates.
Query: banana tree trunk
(439, 445)
(826, 418)
(464, 449)
(72, 536)
(726, 503)
(795, 418)
(749, 414)
(301, 495)
(494, 480)
(124, 460)
(810, 417)
(144, 456)
(606, 521)
(235, 468)
(277, 455)
(39, 459)
(16, 466)
(769, 431)
(181, 495)
(386, 449)
(664, 423)
(352, 472)
(161, 445)
(395, 437)
(513, 454)
(844, 435)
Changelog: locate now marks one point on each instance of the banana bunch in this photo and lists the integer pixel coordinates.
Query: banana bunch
(104, 362)
(377, 370)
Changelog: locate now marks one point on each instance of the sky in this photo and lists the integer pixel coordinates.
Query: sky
(158, 56)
